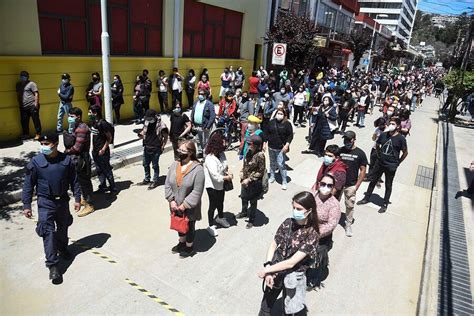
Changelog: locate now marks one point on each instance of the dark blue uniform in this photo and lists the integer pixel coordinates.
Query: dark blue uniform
(52, 177)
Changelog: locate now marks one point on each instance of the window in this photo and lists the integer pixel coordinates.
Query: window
(382, 5)
(211, 31)
(388, 17)
(326, 16)
(74, 27)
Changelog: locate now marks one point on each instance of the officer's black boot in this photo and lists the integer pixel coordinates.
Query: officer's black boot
(54, 273)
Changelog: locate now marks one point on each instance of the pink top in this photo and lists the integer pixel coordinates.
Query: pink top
(329, 213)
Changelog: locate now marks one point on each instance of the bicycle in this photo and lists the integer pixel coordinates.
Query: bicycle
(229, 128)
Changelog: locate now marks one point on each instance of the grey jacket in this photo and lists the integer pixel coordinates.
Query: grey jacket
(190, 191)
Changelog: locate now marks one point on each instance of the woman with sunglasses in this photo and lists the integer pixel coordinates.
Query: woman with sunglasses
(289, 256)
(329, 213)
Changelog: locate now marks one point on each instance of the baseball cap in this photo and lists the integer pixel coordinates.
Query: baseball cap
(52, 137)
(349, 135)
(65, 76)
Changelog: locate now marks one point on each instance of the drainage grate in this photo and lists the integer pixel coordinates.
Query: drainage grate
(424, 177)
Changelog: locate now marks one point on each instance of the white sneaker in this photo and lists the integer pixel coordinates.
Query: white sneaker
(223, 222)
(212, 231)
(284, 186)
(348, 229)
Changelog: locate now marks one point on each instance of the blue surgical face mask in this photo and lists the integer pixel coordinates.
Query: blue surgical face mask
(299, 215)
(23, 78)
(65, 81)
(46, 150)
(327, 160)
(201, 97)
(348, 145)
(72, 124)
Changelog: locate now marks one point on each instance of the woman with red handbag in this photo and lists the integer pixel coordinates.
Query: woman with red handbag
(184, 187)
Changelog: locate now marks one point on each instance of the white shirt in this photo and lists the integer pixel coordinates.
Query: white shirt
(214, 171)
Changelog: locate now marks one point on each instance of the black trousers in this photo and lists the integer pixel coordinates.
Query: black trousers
(190, 96)
(176, 95)
(373, 160)
(163, 99)
(378, 170)
(299, 111)
(216, 201)
(146, 103)
(116, 107)
(104, 169)
(25, 114)
(191, 232)
(84, 175)
(343, 118)
(250, 211)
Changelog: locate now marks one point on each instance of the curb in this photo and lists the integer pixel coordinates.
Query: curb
(117, 163)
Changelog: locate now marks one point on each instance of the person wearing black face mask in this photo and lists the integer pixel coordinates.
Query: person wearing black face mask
(117, 97)
(65, 93)
(356, 161)
(180, 127)
(154, 135)
(28, 100)
(94, 90)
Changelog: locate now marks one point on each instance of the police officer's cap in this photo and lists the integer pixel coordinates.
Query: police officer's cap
(65, 76)
(52, 137)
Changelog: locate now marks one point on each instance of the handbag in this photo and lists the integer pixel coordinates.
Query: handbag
(179, 222)
(228, 185)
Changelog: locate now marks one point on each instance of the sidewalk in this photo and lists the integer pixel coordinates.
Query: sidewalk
(448, 281)
(128, 149)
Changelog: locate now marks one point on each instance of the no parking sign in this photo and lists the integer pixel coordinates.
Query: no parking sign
(279, 54)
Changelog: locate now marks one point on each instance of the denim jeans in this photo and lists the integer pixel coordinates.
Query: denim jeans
(277, 161)
(413, 103)
(360, 118)
(103, 168)
(63, 109)
(201, 139)
(153, 158)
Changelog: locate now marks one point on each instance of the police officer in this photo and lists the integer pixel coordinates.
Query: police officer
(51, 173)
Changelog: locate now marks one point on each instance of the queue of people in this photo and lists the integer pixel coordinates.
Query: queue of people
(267, 114)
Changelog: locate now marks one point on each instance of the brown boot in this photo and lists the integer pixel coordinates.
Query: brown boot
(83, 202)
(86, 210)
(38, 135)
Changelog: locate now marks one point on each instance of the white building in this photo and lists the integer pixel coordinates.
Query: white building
(398, 15)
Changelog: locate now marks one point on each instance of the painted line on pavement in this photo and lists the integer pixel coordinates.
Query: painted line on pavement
(155, 298)
(94, 251)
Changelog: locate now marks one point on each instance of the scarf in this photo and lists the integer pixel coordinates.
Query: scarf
(179, 174)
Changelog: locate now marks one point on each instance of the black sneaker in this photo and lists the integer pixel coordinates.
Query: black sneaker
(241, 215)
(113, 189)
(54, 273)
(178, 248)
(383, 209)
(186, 252)
(101, 189)
(363, 201)
(249, 225)
(152, 185)
(144, 182)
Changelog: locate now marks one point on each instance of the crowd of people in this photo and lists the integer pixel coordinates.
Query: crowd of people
(324, 100)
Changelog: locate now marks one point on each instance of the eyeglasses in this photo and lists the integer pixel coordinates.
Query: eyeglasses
(324, 184)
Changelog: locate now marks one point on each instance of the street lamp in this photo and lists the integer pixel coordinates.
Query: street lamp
(330, 23)
(382, 15)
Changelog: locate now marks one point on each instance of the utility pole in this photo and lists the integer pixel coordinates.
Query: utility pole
(104, 37)
(467, 53)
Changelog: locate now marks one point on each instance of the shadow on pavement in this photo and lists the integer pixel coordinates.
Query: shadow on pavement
(12, 181)
(260, 219)
(203, 241)
(82, 245)
(104, 200)
(11, 143)
(376, 199)
(279, 309)
(6, 211)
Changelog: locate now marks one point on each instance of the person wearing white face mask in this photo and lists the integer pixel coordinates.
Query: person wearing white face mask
(65, 93)
(333, 165)
(278, 135)
(253, 128)
(289, 256)
(329, 213)
(389, 146)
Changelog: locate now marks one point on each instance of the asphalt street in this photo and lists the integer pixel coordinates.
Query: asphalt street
(123, 263)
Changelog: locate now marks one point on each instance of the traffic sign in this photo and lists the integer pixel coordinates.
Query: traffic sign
(279, 54)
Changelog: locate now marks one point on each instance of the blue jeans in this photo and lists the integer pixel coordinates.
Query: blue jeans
(413, 104)
(360, 118)
(153, 158)
(277, 160)
(62, 110)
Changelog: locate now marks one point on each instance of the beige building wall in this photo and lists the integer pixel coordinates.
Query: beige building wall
(19, 28)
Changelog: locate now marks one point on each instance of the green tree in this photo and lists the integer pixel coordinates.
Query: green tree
(298, 32)
(359, 42)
